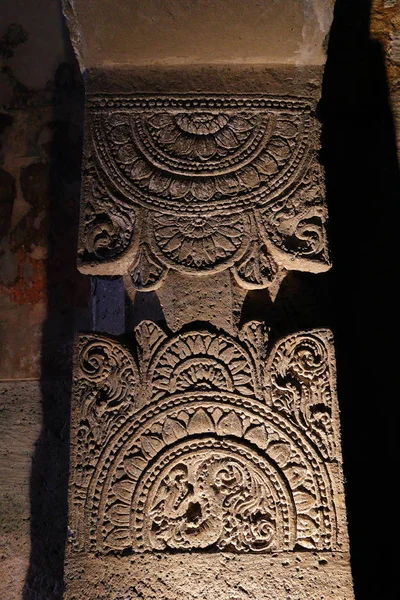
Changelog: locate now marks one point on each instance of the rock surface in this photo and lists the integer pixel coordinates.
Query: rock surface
(179, 32)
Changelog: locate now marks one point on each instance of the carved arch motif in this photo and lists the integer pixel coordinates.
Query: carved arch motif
(296, 475)
(248, 466)
(202, 360)
(208, 153)
(212, 182)
(213, 494)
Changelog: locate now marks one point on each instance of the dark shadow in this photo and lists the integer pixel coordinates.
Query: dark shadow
(257, 306)
(357, 297)
(145, 306)
(301, 303)
(67, 311)
(363, 187)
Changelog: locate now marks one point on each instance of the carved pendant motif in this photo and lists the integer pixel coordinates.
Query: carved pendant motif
(202, 184)
(204, 444)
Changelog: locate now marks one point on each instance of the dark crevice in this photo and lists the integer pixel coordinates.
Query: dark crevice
(363, 191)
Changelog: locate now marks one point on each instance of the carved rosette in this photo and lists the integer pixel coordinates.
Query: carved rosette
(201, 184)
(196, 448)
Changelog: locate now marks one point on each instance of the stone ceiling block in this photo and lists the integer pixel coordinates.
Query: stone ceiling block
(190, 32)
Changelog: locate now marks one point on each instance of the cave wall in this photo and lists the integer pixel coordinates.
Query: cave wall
(42, 298)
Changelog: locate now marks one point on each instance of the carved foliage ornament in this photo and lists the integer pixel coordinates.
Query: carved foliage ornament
(201, 184)
(196, 449)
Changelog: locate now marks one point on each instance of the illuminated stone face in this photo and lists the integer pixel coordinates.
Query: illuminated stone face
(205, 458)
(205, 445)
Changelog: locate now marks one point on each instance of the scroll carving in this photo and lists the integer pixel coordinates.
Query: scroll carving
(300, 377)
(194, 448)
(105, 383)
(202, 184)
(215, 494)
(108, 224)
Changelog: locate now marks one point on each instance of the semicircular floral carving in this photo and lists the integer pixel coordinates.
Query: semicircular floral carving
(200, 243)
(175, 423)
(202, 360)
(200, 143)
(189, 156)
(196, 385)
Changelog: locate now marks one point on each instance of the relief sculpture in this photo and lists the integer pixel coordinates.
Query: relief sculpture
(203, 443)
(201, 184)
(205, 449)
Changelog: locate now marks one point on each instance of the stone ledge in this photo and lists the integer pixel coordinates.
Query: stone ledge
(180, 32)
(283, 576)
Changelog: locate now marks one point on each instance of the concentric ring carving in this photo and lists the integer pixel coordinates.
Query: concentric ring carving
(179, 418)
(203, 360)
(214, 182)
(193, 454)
(200, 243)
(186, 160)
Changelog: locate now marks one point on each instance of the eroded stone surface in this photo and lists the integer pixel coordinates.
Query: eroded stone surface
(286, 576)
(206, 442)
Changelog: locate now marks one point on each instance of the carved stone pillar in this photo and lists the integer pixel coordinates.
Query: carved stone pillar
(205, 458)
